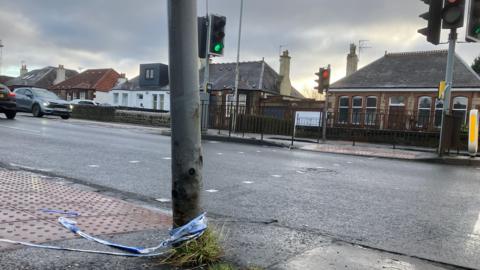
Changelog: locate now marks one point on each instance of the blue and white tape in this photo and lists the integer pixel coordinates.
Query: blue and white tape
(187, 232)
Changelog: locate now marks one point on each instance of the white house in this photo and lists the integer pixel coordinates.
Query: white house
(149, 90)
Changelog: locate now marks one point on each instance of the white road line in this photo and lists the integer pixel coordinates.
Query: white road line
(276, 175)
(258, 151)
(241, 153)
(167, 158)
(219, 154)
(336, 165)
(93, 166)
(213, 142)
(349, 162)
(247, 182)
(134, 161)
(301, 172)
(211, 190)
(319, 167)
(163, 200)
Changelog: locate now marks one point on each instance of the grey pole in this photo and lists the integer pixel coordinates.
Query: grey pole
(325, 114)
(237, 66)
(452, 38)
(187, 160)
(1, 56)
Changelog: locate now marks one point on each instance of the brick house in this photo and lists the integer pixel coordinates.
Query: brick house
(257, 82)
(87, 84)
(399, 91)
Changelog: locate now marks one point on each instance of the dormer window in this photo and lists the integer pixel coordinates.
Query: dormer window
(149, 73)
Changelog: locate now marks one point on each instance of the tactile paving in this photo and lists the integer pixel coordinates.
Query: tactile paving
(25, 195)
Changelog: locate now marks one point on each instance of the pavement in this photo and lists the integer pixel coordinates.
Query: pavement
(274, 206)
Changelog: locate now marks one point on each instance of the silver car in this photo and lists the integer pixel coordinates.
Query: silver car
(41, 102)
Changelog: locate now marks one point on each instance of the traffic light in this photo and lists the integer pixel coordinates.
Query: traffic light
(217, 34)
(202, 37)
(473, 25)
(323, 79)
(453, 13)
(434, 18)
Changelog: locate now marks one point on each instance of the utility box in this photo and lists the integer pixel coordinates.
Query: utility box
(473, 133)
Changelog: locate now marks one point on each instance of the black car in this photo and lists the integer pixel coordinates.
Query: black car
(41, 102)
(7, 102)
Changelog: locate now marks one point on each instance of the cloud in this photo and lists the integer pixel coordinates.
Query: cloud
(124, 33)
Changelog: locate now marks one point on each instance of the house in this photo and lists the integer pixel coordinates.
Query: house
(149, 90)
(257, 82)
(41, 78)
(4, 79)
(400, 91)
(88, 84)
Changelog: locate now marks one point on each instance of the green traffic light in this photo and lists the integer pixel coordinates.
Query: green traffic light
(476, 30)
(218, 47)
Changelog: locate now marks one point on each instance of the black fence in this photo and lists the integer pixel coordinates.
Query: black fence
(413, 128)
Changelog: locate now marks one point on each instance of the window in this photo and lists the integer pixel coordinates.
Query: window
(149, 73)
(82, 95)
(397, 101)
(154, 101)
(424, 107)
(125, 99)
(140, 96)
(242, 103)
(343, 110)
(20, 91)
(69, 96)
(438, 112)
(357, 104)
(115, 98)
(371, 113)
(459, 107)
(162, 102)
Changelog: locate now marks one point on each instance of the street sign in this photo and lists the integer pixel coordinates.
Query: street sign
(441, 90)
(473, 133)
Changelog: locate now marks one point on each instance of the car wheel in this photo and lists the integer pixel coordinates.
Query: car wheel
(10, 114)
(37, 111)
(65, 117)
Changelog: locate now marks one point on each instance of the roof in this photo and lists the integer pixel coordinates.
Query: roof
(134, 85)
(97, 79)
(42, 78)
(254, 76)
(423, 69)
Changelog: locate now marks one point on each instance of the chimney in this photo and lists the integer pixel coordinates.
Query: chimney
(23, 70)
(352, 60)
(122, 79)
(285, 84)
(60, 75)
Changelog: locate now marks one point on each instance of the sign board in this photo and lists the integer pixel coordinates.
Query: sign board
(473, 133)
(308, 119)
(441, 90)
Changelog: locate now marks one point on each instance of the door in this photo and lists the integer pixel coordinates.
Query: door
(396, 113)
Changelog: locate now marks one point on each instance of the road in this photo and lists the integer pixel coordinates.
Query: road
(426, 210)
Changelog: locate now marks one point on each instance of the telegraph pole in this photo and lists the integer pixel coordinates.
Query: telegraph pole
(452, 39)
(187, 158)
(237, 65)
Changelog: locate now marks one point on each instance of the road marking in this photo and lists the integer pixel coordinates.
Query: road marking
(241, 153)
(349, 162)
(247, 182)
(163, 200)
(134, 161)
(336, 165)
(301, 172)
(219, 154)
(319, 167)
(211, 190)
(167, 158)
(371, 158)
(273, 150)
(258, 151)
(276, 175)
(93, 166)
(29, 168)
(213, 142)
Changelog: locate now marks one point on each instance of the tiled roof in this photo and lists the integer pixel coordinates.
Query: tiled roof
(256, 75)
(409, 70)
(42, 78)
(97, 79)
(4, 79)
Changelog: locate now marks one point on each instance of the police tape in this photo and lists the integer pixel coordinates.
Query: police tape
(190, 231)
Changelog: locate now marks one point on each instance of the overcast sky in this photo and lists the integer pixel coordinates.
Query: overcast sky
(121, 34)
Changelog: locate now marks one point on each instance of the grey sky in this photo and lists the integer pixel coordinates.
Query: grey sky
(124, 33)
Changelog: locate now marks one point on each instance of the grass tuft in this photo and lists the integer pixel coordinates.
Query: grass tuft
(203, 251)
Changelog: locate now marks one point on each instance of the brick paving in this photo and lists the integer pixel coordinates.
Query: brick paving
(25, 194)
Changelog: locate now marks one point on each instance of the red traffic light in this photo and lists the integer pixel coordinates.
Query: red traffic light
(326, 74)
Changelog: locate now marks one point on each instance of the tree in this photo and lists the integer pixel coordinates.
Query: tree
(476, 65)
(311, 93)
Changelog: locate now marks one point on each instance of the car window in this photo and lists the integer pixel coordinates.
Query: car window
(28, 92)
(43, 93)
(85, 102)
(20, 91)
